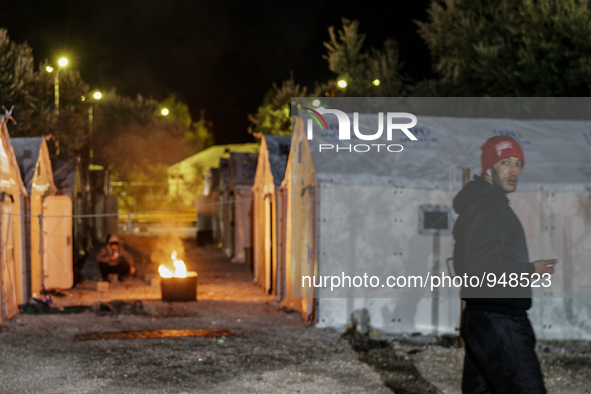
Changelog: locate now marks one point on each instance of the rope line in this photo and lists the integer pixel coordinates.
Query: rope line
(98, 215)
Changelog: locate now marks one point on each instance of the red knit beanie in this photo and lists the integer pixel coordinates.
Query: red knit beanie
(498, 148)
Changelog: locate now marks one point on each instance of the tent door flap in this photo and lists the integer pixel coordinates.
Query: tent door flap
(57, 243)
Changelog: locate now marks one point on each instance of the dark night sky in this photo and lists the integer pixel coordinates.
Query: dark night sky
(214, 55)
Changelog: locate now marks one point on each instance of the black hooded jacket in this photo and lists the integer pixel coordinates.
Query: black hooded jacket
(489, 239)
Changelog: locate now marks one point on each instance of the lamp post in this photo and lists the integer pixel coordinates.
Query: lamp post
(63, 62)
(96, 96)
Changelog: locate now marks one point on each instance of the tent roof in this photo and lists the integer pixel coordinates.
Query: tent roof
(557, 153)
(27, 152)
(10, 173)
(278, 147)
(224, 168)
(215, 178)
(209, 158)
(243, 167)
(64, 173)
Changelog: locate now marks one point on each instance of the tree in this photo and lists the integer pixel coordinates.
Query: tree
(72, 128)
(130, 133)
(137, 143)
(385, 66)
(32, 94)
(21, 86)
(200, 136)
(132, 137)
(274, 115)
(508, 48)
(348, 59)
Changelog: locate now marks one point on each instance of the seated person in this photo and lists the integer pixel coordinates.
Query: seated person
(113, 259)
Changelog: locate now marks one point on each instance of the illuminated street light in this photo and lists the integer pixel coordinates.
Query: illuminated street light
(164, 111)
(63, 62)
(376, 82)
(342, 84)
(97, 96)
(316, 103)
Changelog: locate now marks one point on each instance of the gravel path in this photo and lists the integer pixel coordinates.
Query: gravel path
(272, 350)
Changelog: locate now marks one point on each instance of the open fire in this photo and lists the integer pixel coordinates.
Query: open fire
(179, 268)
(177, 284)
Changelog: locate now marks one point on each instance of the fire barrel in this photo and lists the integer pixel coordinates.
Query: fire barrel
(179, 289)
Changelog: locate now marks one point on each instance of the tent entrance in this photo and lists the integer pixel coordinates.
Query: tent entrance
(57, 243)
(8, 290)
(269, 239)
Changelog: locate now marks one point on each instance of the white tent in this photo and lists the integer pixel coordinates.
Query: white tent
(191, 180)
(226, 213)
(358, 212)
(268, 212)
(50, 240)
(242, 173)
(68, 178)
(13, 262)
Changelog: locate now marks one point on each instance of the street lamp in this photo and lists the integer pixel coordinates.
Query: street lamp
(376, 82)
(63, 62)
(165, 111)
(97, 96)
(342, 84)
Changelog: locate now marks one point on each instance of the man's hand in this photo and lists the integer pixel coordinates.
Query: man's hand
(545, 266)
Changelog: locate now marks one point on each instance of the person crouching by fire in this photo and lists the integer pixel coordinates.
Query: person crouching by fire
(114, 259)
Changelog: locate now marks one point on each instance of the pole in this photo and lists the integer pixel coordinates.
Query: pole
(90, 120)
(465, 180)
(435, 299)
(90, 131)
(56, 87)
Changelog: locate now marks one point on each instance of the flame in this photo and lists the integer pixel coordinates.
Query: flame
(180, 270)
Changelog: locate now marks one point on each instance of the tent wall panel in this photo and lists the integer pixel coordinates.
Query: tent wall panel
(57, 243)
(368, 219)
(270, 172)
(242, 225)
(13, 260)
(9, 262)
(33, 159)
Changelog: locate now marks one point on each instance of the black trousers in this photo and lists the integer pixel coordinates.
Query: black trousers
(121, 269)
(500, 355)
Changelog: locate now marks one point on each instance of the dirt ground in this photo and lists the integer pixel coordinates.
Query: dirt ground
(272, 350)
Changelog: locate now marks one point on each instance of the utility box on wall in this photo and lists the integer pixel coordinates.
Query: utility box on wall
(436, 219)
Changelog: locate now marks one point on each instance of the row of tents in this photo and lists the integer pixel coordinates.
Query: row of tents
(331, 213)
(45, 226)
(36, 233)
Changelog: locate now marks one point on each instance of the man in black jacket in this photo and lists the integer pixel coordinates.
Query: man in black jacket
(500, 355)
